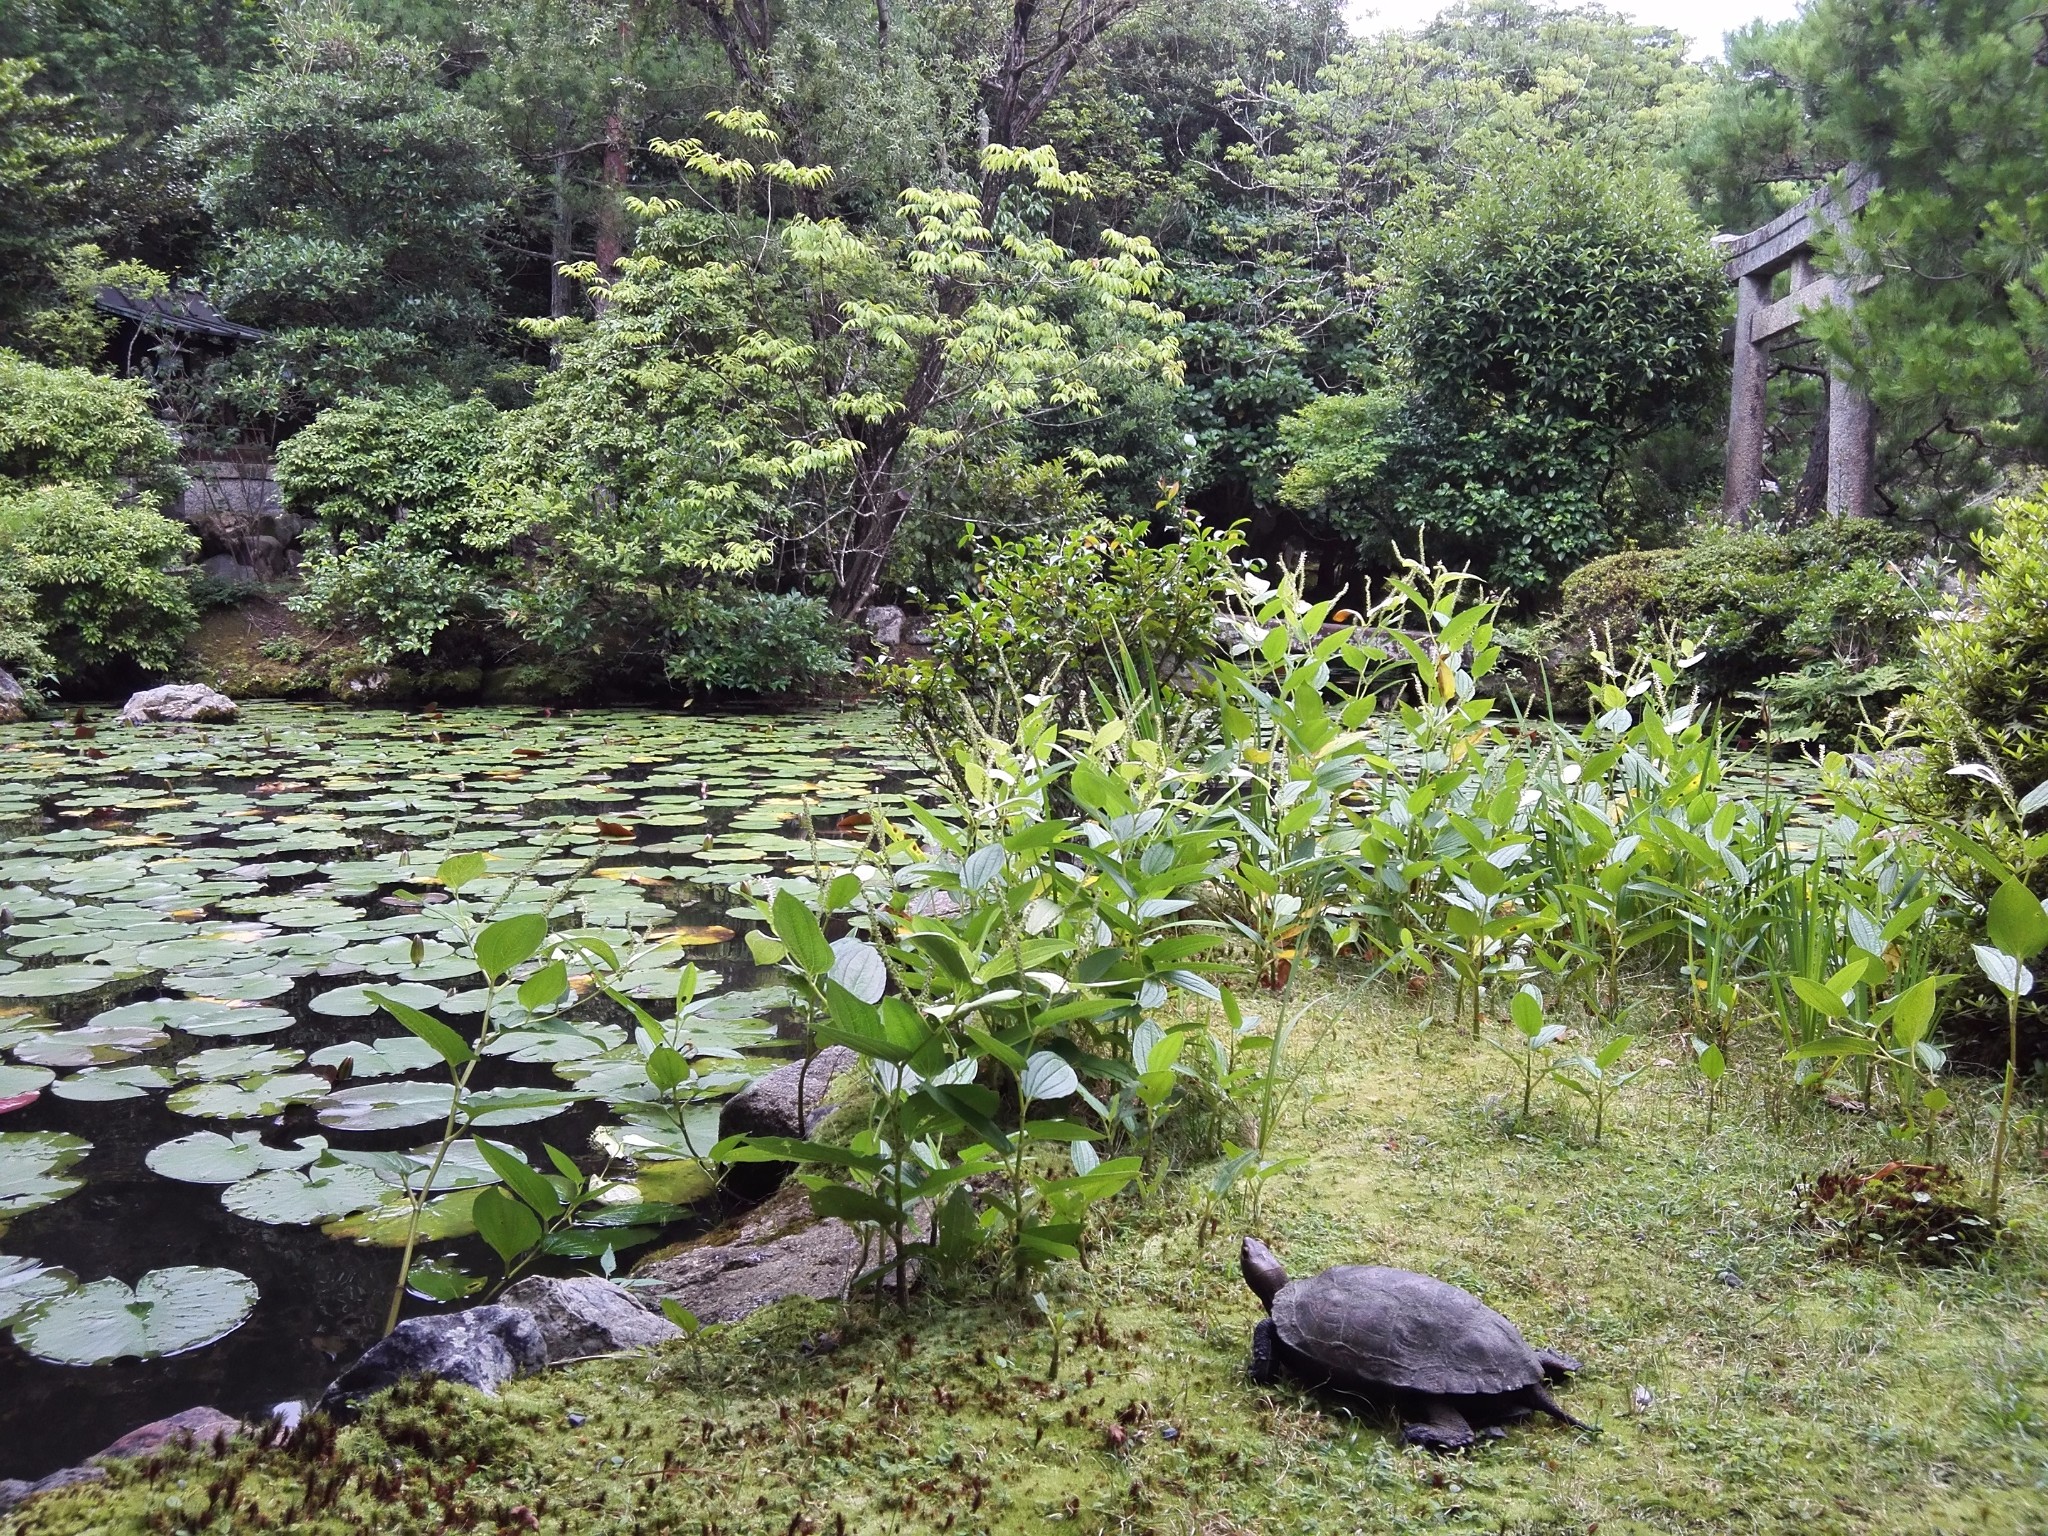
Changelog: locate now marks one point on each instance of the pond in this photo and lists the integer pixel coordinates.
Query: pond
(189, 918)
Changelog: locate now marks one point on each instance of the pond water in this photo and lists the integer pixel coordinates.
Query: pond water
(188, 919)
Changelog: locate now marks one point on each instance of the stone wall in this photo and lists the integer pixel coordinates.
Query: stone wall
(245, 534)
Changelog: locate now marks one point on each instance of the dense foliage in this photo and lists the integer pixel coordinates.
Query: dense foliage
(1559, 313)
(1811, 628)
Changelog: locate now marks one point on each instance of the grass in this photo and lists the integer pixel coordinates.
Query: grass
(1780, 1390)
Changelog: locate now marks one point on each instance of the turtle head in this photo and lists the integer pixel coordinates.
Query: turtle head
(1261, 1270)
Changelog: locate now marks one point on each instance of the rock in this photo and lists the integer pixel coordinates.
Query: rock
(779, 1250)
(13, 700)
(767, 1107)
(229, 571)
(885, 624)
(196, 1426)
(484, 1348)
(588, 1316)
(178, 701)
(14, 1491)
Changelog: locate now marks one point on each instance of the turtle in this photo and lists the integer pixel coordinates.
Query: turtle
(1449, 1364)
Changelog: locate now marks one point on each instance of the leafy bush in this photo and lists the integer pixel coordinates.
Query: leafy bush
(106, 598)
(752, 642)
(1820, 616)
(396, 600)
(68, 424)
(1559, 315)
(401, 465)
(1986, 696)
(1058, 615)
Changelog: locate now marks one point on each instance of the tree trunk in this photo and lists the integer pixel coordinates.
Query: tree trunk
(562, 247)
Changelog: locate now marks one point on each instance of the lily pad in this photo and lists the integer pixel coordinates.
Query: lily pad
(208, 1157)
(231, 1061)
(386, 1106)
(91, 1045)
(287, 1197)
(253, 1098)
(32, 1168)
(168, 1312)
(388, 1056)
(20, 1080)
(354, 1002)
(102, 1085)
(209, 1018)
(24, 1284)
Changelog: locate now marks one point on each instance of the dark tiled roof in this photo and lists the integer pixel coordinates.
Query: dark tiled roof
(186, 312)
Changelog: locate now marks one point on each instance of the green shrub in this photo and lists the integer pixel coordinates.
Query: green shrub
(394, 599)
(106, 599)
(1538, 332)
(752, 642)
(397, 464)
(1057, 615)
(68, 424)
(1986, 695)
(1819, 617)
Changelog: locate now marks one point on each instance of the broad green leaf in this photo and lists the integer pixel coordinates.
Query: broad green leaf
(168, 1312)
(510, 941)
(447, 1044)
(797, 926)
(506, 1224)
(2016, 921)
(1048, 1076)
(529, 1186)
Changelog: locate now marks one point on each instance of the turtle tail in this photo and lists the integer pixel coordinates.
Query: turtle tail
(1538, 1396)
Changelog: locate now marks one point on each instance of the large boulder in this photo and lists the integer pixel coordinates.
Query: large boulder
(588, 1316)
(178, 701)
(768, 1107)
(484, 1348)
(14, 1490)
(13, 699)
(779, 1250)
(199, 1427)
(885, 624)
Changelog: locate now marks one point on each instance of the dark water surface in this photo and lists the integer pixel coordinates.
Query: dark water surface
(262, 864)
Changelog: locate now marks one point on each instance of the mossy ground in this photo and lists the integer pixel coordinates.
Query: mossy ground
(1780, 1389)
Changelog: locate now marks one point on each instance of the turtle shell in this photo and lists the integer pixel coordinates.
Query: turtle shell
(1371, 1327)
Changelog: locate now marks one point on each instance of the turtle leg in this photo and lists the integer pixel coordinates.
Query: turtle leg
(1265, 1369)
(1557, 1364)
(1432, 1423)
(1539, 1398)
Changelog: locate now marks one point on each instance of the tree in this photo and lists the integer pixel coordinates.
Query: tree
(356, 195)
(1949, 104)
(46, 157)
(1554, 317)
(1280, 276)
(778, 387)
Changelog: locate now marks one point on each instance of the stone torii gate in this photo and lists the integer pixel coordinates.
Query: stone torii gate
(1753, 260)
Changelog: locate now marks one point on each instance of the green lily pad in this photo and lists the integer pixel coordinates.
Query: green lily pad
(203, 1016)
(232, 1061)
(102, 1085)
(24, 1284)
(32, 1168)
(386, 1106)
(388, 1056)
(62, 980)
(168, 1312)
(354, 1002)
(208, 1157)
(91, 1045)
(253, 1098)
(288, 1197)
(14, 1080)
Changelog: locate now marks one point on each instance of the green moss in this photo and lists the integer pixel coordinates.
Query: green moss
(1786, 1391)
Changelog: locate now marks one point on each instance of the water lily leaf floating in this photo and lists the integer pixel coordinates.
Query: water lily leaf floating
(289, 1197)
(206, 1017)
(32, 1168)
(208, 1157)
(90, 1045)
(24, 1283)
(251, 1098)
(168, 1312)
(106, 1085)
